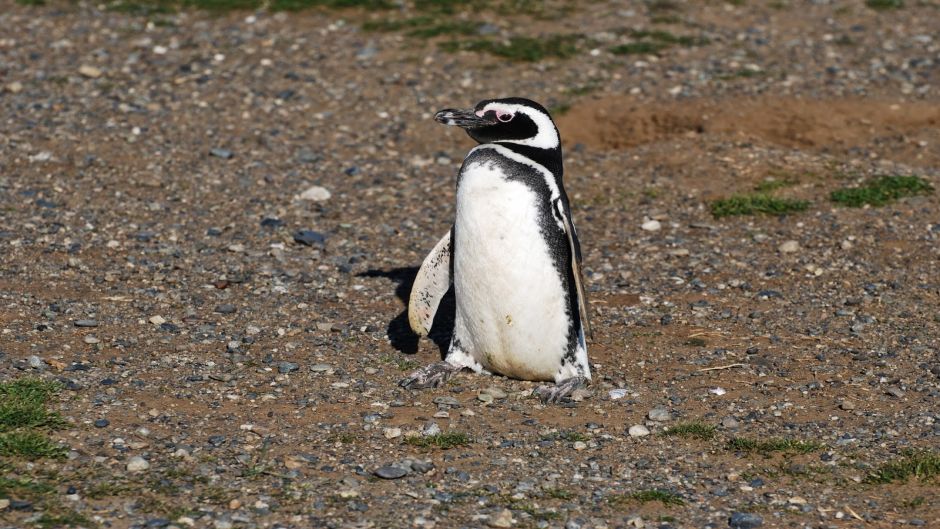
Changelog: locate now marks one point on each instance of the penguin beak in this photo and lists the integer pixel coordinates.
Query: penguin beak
(467, 119)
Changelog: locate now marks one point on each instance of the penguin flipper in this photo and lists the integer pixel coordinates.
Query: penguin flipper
(575, 247)
(431, 283)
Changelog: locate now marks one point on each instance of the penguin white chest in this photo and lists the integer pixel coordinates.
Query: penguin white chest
(512, 313)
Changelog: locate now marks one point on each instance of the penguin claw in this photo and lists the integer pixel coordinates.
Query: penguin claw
(561, 391)
(429, 376)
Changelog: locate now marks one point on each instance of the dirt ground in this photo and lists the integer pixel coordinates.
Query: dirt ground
(153, 171)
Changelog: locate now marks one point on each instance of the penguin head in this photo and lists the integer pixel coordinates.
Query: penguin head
(511, 120)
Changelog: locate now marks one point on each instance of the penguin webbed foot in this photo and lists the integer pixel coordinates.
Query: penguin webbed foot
(561, 391)
(429, 376)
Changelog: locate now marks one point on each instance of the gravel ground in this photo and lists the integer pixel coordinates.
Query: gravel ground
(210, 222)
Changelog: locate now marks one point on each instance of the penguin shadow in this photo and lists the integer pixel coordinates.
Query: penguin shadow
(399, 331)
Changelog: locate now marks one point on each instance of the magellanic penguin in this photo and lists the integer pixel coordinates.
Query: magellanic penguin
(512, 255)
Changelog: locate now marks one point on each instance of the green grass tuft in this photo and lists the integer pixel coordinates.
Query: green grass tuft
(444, 441)
(23, 486)
(881, 191)
(756, 203)
(66, 519)
(924, 465)
(692, 430)
(31, 445)
(883, 5)
(742, 444)
(23, 405)
(638, 48)
(772, 185)
(663, 496)
(526, 49)
(558, 494)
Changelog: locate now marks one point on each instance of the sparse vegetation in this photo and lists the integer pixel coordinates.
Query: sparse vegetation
(772, 185)
(527, 49)
(923, 465)
(765, 447)
(665, 497)
(750, 204)
(692, 430)
(883, 5)
(23, 417)
(881, 191)
(444, 441)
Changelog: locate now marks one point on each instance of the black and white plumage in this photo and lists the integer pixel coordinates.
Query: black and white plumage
(512, 254)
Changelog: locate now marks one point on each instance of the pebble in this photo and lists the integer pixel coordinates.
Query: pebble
(15, 87)
(85, 323)
(494, 392)
(309, 238)
(660, 414)
(91, 339)
(580, 445)
(226, 308)
(638, 430)
(730, 423)
(745, 520)
(137, 464)
(846, 405)
(789, 247)
(502, 519)
(157, 320)
(35, 362)
(287, 367)
(391, 472)
(651, 225)
(316, 194)
(102, 423)
(4, 503)
(89, 71)
(616, 394)
(321, 368)
(895, 391)
(431, 429)
(225, 154)
(392, 433)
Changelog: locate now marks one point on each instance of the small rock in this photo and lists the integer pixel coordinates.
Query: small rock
(287, 367)
(392, 433)
(316, 194)
(660, 414)
(226, 308)
(35, 362)
(309, 238)
(391, 472)
(137, 464)
(846, 405)
(616, 394)
(895, 391)
(102, 423)
(502, 519)
(789, 247)
(730, 423)
(745, 520)
(321, 368)
(90, 71)
(638, 430)
(431, 429)
(225, 154)
(651, 225)
(85, 323)
(579, 445)
(495, 392)
(4, 503)
(15, 87)
(157, 320)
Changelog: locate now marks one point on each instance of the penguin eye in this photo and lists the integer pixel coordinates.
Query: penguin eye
(504, 116)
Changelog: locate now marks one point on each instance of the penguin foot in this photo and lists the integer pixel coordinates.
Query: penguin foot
(561, 391)
(429, 376)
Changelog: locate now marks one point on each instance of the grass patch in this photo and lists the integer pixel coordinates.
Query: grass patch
(881, 191)
(558, 494)
(638, 48)
(523, 49)
(31, 445)
(772, 185)
(756, 203)
(66, 519)
(573, 436)
(444, 441)
(923, 465)
(884, 5)
(743, 444)
(423, 27)
(696, 342)
(665, 497)
(23, 486)
(692, 430)
(23, 405)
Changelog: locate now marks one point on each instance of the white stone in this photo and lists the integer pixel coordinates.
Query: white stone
(502, 519)
(316, 194)
(89, 71)
(137, 464)
(651, 225)
(392, 433)
(638, 430)
(789, 247)
(157, 320)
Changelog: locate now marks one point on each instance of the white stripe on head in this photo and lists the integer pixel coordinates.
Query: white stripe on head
(547, 135)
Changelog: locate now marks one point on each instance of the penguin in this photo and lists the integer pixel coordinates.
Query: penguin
(512, 255)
